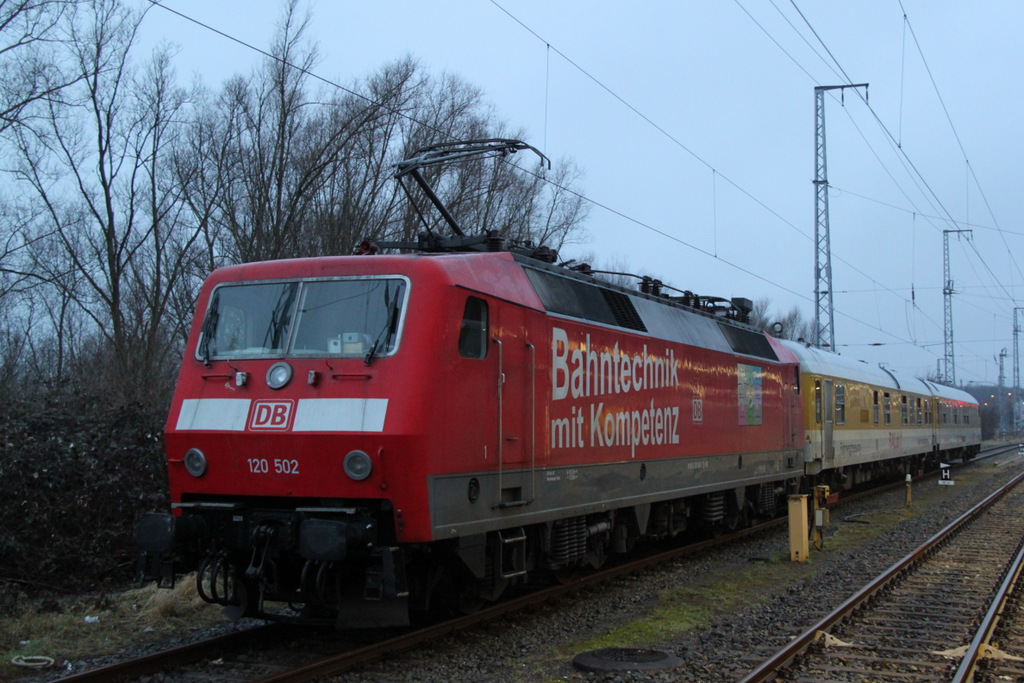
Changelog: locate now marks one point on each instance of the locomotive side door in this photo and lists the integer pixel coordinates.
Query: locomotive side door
(515, 365)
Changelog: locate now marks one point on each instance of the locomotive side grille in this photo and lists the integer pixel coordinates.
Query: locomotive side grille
(714, 507)
(568, 539)
(767, 501)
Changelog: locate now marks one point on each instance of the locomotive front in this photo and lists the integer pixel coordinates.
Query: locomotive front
(276, 443)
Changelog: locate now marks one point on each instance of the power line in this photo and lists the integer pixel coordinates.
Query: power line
(650, 122)
(549, 46)
(903, 155)
(605, 207)
(968, 224)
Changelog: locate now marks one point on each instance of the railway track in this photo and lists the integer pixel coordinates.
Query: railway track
(929, 616)
(278, 653)
(997, 651)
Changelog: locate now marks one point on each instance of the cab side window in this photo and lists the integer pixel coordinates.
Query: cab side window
(473, 329)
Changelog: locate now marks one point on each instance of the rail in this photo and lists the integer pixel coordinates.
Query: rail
(768, 670)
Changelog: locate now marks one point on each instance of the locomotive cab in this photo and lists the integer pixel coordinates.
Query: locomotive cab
(306, 435)
(276, 439)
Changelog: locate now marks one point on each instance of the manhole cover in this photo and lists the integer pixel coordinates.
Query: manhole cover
(625, 659)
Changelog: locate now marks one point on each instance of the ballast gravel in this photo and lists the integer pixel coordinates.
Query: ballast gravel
(720, 612)
(540, 645)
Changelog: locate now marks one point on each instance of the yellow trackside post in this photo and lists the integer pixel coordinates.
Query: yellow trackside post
(799, 546)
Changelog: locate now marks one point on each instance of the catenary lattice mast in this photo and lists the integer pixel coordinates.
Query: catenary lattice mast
(824, 332)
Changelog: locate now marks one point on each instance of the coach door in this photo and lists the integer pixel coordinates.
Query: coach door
(515, 358)
(824, 416)
(828, 449)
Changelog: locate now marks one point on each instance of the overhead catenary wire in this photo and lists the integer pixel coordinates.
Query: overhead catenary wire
(619, 213)
(550, 48)
(717, 173)
(931, 194)
(896, 141)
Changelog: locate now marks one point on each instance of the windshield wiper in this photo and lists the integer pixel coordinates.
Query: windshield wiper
(390, 325)
(209, 326)
(280, 317)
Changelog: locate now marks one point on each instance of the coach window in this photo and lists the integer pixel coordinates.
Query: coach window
(473, 330)
(875, 406)
(817, 401)
(927, 411)
(903, 409)
(888, 408)
(840, 404)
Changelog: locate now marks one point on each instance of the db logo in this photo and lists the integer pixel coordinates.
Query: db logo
(271, 415)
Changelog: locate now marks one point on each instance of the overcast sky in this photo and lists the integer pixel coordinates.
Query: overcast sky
(694, 124)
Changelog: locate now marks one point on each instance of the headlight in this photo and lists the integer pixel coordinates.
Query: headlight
(279, 375)
(358, 465)
(195, 462)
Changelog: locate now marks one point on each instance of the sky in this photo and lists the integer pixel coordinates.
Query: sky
(694, 124)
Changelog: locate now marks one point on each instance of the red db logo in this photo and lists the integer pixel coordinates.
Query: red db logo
(271, 415)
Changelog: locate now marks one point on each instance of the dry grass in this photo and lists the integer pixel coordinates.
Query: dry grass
(79, 628)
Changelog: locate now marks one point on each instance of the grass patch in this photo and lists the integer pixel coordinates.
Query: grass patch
(78, 628)
(691, 607)
(852, 532)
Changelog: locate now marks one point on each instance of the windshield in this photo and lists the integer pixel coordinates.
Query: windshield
(338, 318)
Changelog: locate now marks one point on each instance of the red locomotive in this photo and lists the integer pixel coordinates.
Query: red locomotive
(365, 435)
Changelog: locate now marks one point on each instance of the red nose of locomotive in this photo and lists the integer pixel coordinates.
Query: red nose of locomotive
(294, 428)
(277, 437)
(283, 396)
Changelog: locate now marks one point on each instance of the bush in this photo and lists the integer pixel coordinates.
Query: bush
(75, 474)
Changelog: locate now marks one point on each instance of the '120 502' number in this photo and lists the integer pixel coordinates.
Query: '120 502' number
(281, 466)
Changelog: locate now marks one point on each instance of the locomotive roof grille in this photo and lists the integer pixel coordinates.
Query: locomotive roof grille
(579, 299)
(622, 308)
(748, 342)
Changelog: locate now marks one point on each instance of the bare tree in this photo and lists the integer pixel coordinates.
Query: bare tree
(360, 198)
(132, 190)
(110, 237)
(559, 212)
(29, 75)
(29, 71)
(280, 149)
